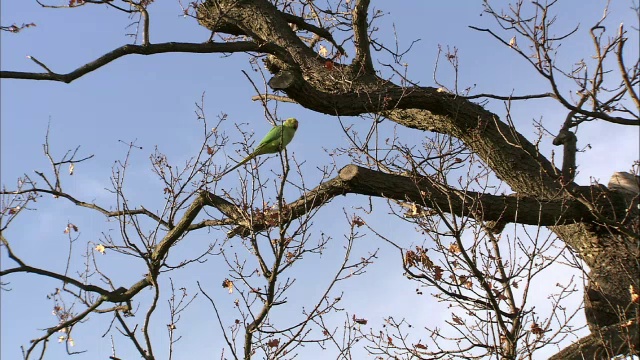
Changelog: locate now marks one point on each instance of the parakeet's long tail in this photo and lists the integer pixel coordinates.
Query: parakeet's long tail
(242, 162)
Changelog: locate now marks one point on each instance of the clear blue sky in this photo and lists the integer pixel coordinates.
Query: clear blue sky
(150, 100)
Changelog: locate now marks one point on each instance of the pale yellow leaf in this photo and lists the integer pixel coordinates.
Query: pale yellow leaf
(100, 248)
(323, 51)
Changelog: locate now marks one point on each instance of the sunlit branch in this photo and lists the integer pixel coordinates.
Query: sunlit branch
(361, 36)
(264, 97)
(623, 70)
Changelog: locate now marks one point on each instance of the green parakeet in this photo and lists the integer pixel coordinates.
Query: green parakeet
(276, 140)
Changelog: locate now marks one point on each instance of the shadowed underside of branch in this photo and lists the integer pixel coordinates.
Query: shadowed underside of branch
(604, 344)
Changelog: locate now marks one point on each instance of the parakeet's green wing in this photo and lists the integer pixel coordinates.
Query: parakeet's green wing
(271, 142)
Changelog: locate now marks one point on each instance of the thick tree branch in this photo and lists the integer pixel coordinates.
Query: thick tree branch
(426, 192)
(263, 22)
(162, 249)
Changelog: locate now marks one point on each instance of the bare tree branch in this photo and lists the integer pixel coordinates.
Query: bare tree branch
(151, 49)
(510, 97)
(141, 211)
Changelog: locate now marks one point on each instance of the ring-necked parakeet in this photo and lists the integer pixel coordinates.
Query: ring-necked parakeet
(275, 141)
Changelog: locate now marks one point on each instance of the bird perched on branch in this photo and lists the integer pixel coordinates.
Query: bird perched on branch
(275, 141)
